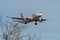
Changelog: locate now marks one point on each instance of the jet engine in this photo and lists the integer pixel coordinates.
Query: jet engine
(41, 20)
(26, 18)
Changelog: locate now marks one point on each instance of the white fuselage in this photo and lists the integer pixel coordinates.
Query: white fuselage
(34, 17)
(37, 15)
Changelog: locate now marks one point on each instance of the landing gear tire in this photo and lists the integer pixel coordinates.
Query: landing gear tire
(35, 23)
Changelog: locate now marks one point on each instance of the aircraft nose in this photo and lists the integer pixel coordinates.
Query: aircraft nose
(40, 14)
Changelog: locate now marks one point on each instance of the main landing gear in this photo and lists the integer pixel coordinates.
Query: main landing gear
(36, 23)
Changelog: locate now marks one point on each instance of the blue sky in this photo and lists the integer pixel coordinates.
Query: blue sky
(50, 30)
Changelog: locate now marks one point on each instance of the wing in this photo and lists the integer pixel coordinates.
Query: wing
(18, 21)
(16, 18)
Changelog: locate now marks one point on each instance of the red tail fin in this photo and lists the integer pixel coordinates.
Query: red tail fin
(21, 15)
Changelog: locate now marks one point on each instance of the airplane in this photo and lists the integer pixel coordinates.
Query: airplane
(34, 18)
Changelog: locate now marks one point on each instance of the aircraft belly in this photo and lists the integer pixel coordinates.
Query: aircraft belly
(30, 20)
(36, 17)
(27, 21)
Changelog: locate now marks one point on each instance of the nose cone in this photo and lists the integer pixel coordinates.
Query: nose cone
(40, 14)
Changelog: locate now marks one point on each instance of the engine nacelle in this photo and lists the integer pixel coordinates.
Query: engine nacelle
(26, 18)
(41, 20)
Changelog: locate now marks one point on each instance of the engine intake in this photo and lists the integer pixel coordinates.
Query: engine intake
(26, 18)
(41, 20)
